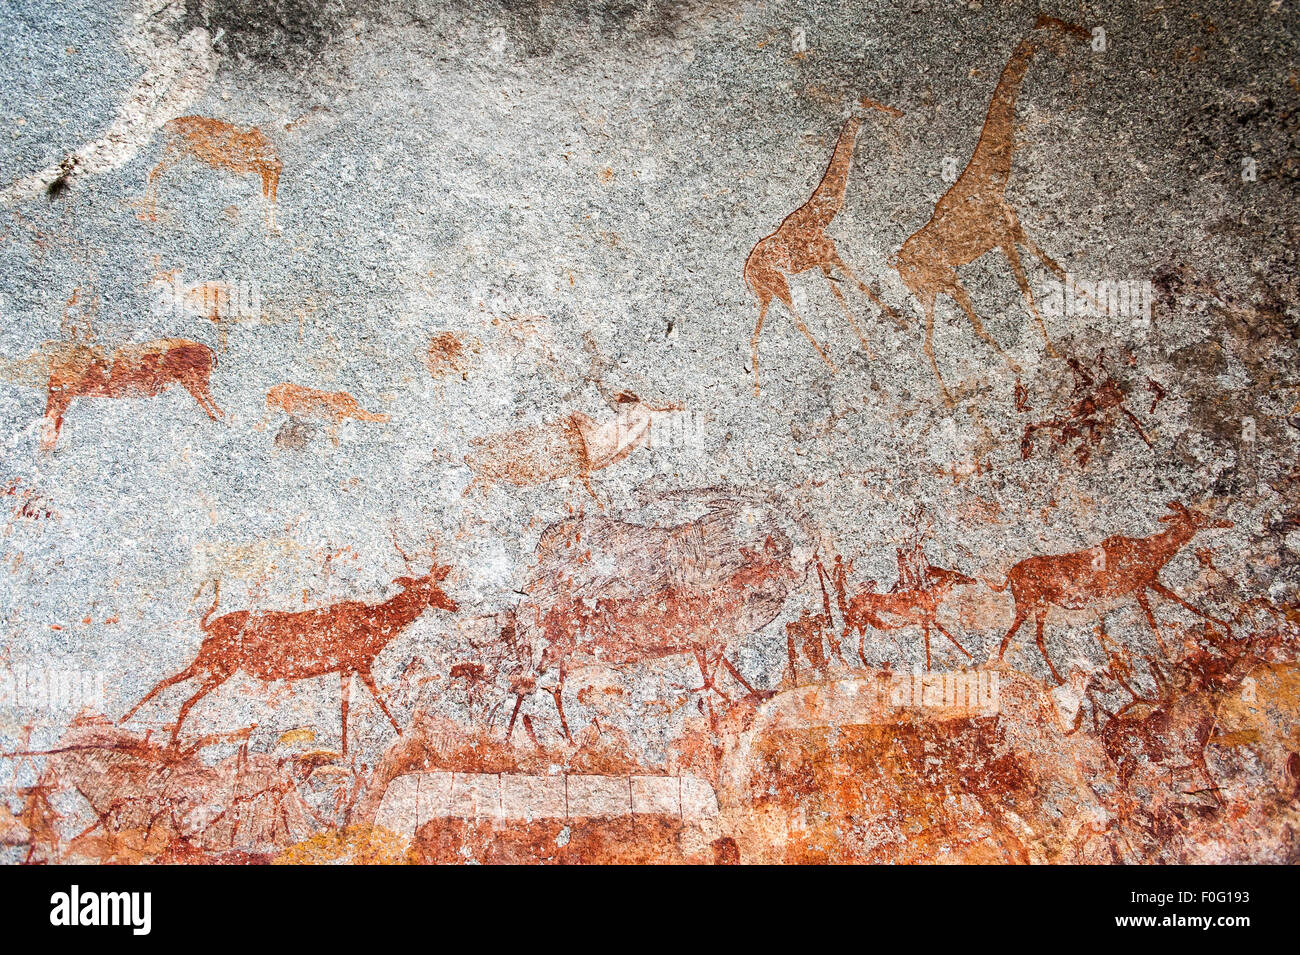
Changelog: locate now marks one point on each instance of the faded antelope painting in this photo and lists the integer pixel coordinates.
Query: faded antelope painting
(648, 433)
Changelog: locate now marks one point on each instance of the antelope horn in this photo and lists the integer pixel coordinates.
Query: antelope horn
(392, 532)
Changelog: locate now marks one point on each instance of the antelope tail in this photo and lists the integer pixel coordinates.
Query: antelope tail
(996, 587)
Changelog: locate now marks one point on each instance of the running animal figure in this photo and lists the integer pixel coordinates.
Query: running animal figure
(914, 601)
(343, 638)
(974, 216)
(1118, 567)
(800, 243)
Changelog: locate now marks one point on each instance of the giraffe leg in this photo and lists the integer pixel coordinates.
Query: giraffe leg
(839, 296)
(929, 348)
(1047, 260)
(963, 301)
(799, 324)
(1013, 257)
(758, 330)
(898, 319)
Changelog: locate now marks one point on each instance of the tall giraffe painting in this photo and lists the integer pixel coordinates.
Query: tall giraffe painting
(974, 217)
(801, 243)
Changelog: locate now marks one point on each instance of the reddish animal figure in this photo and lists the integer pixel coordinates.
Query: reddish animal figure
(343, 638)
(1179, 723)
(1085, 420)
(914, 601)
(221, 145)
(685, 589)
(800, 243)
(311, 404)
(574, 447)
(813, 632)
(1119, 566)
(138, 370)
(974, 216)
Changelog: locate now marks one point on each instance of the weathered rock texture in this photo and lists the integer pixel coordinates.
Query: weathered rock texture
(586, 431)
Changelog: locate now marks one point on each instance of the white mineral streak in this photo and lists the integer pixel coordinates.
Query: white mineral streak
(176, 72)
(414, 799)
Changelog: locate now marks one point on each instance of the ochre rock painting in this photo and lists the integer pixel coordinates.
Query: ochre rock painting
(331, 408)
(1012, 582)
(220, 145)
(801, 243)
(72, 370)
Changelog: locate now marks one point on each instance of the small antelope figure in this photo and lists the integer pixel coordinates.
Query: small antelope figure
(1119, 566)
(221, 145)
(914, 602)
(73, 370)
(574, 447)
(343, 638)
(331, 407)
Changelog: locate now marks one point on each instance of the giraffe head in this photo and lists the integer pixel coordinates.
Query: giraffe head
(1056, 35)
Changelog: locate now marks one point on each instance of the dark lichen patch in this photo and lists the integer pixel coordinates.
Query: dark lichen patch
(279, 34)
(295, 435)
(59, 185)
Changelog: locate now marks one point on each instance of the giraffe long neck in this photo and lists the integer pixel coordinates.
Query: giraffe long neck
(991, 162)
(830, 192)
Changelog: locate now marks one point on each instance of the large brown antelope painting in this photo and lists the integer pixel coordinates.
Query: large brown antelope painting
(342, 638)
(72, 370)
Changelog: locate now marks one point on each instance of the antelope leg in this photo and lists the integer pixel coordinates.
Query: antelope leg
(945, 632)
(1168, 594)
(369, 681)
(1042, 647)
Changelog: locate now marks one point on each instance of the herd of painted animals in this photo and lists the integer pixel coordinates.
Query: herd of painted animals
(971, 219)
